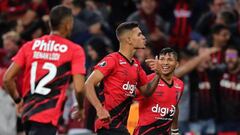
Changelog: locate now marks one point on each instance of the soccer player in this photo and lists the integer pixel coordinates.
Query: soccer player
(121, 74)
(159, 113)
(48, 64)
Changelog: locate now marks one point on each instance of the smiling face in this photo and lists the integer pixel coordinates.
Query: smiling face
(168, 62)
(231, 58)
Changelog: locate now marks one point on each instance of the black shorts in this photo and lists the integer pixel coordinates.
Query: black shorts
(35, 128)
(113, 131)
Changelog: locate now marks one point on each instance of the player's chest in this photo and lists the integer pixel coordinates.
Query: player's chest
(127, 72)
(166, 94)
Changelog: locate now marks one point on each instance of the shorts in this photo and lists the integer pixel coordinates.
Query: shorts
(35, 128)
(113, 131)
(150, 130)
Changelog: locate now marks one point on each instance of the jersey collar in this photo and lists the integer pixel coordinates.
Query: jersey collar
(130, 62)
(169, 85)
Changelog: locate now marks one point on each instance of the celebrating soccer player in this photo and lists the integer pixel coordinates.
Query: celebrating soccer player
(159, 114)
(120, 74)
(48, 64)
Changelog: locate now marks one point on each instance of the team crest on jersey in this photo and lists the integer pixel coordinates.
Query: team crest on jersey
(102, 64)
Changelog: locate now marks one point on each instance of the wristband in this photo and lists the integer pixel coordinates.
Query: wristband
(175, 131)
(17, 100)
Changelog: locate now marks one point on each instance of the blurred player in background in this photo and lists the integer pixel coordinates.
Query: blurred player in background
(48, 64)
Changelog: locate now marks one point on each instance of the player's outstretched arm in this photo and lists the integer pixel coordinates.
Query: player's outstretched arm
(78, 82)
(9, 82)
(92, 81)
(148, 89)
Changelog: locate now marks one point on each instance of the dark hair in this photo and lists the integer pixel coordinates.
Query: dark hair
(233, 47)
(99, 45)
(228, 17)
(169, 50)
(126, 26)
(79, 3)
(57, 15)
(217, 28)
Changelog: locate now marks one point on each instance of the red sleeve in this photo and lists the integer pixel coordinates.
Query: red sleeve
(142, 77)
(106, 65)
(20, 57)
(78, 61)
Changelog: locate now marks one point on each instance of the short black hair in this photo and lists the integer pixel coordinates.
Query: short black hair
(233, 47)
(217, 28)
(126, 26)
(168, 50)
(228, 17)
(79, 3)
(57, 15)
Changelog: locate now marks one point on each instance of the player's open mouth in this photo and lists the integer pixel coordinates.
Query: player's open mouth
(165, 67)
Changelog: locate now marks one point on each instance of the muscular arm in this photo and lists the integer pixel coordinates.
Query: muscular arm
(148, 89)
(95, 78)
(78, 82)
(189, 66)
(9, 82)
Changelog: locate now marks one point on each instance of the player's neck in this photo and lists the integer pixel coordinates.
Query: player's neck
(167, 78)
(128, 53)
(57, 33)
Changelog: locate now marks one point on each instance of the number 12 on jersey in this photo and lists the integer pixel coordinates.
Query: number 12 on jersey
(40, 88)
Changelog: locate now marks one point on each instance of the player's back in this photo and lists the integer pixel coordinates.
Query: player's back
(48, 64)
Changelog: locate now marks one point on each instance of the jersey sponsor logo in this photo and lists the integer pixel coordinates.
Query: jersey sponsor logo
(122, 62)
(50, 46)
(136, 65)
(177, 86)
(129, 87)
(230, 85)
(161, 84)
(204, 86)
(102, 64)
(163, 111)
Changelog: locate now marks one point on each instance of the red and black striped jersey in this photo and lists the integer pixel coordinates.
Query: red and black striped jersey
(121, 78)
(48, 64)
(156, 112)
(229, 97)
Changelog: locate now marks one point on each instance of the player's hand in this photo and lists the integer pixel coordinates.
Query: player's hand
(19, 108)
(154, 65)
(103, 114)
(77, 114)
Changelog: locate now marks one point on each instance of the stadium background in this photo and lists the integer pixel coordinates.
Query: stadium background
(186, 25)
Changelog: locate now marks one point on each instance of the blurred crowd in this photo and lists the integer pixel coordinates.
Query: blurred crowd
(206, 34)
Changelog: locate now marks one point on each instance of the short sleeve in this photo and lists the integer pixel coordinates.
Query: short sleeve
(20, 57)
(106, 65)
(142, 77)
(78, 61)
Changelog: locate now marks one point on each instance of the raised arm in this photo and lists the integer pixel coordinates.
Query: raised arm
(204, 54)
(149, 88)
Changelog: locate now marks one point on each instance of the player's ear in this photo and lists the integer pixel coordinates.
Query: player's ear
(177, 65)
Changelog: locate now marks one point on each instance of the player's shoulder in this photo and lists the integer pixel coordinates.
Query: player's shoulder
(113, 55)
(151, 76)
(178, 82)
